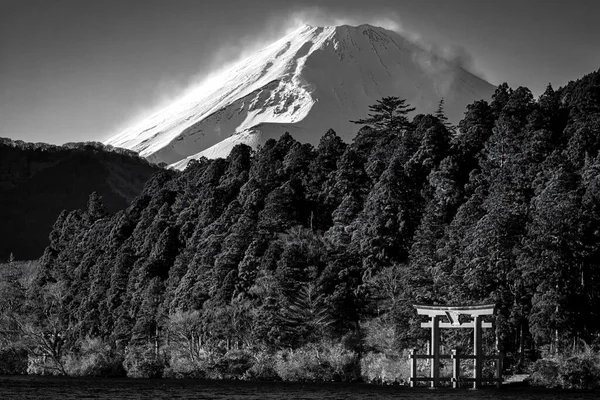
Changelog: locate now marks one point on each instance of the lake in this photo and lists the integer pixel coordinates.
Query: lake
(33, 387)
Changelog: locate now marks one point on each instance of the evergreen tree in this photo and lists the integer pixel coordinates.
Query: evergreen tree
(441, 116)
(500, 98)
(475, 129)
(95, 208)
(388, 114)
(307, 317)
(551, 261)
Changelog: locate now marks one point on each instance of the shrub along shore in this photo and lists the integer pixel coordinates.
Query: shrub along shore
(325, 361)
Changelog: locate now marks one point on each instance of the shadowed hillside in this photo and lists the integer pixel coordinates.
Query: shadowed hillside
(38, 181)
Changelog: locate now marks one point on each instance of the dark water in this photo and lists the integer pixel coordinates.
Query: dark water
(25, 387)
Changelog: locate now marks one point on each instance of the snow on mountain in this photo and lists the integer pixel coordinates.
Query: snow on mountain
(311, 80)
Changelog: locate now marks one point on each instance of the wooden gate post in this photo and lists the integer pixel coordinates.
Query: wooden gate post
(435, 351)
(477, 352)
(455, 368)
(413, 367)
(499, 369)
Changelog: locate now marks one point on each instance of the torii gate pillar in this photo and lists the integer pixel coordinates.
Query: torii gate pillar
(434, 350)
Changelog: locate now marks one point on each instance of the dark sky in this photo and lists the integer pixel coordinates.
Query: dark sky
(77, 70)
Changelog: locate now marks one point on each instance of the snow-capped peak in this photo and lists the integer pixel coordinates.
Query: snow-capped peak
(312, 79)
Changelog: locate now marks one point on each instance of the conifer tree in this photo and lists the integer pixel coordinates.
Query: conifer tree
(307, 319)
(95, 207)
(388, 114)
(441, 115)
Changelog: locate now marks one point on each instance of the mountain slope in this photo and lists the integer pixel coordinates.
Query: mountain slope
(311, 80)
(38, 181)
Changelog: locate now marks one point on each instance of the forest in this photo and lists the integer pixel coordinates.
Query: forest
(301, 262)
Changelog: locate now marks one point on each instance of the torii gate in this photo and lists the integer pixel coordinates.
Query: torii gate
(453, 313)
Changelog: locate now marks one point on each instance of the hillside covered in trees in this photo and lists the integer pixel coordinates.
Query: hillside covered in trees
(289, 245)
(38, 181)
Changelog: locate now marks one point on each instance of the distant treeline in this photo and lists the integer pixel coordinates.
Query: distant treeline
(39, 180)
(291, 245)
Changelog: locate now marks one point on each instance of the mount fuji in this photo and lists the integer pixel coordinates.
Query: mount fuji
(313, 79)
